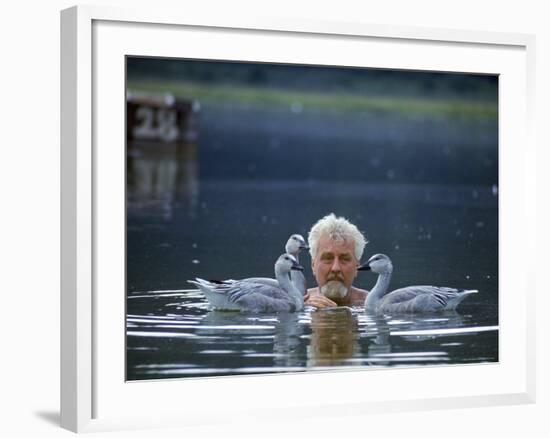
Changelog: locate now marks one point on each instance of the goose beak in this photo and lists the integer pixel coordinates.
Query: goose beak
(304, 246)
(297, 267)
(364, 267)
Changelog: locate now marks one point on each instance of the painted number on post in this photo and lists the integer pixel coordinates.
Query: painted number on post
(156, 123)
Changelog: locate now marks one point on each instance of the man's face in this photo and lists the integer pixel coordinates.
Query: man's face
(334, 267)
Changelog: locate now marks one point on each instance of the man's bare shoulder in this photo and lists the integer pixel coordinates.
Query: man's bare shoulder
(358, 291)
(358, 296)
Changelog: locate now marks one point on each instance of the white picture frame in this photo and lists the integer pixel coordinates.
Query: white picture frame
(94, 41)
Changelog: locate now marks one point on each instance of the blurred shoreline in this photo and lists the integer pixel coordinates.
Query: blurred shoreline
(331, 101)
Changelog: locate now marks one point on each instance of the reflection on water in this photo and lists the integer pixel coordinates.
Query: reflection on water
(159, 174)
(333, 337)
(179, 336)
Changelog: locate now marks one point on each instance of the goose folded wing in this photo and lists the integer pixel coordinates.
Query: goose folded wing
(427, 297)
(259, 297)
(402, 295)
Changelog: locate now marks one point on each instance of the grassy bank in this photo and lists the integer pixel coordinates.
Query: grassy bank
(329, 101)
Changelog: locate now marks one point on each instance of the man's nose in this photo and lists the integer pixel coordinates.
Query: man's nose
(335, 266)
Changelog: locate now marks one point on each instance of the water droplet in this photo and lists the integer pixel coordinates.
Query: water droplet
(467, 277)
(396, 247)
(194, 245)
(480, 224)
(488, 276)
(494, 189)
(195, 261)
(296, 107)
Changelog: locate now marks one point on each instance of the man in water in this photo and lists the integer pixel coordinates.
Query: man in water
(336, 247)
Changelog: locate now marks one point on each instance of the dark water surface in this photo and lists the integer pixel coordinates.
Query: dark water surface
(422, 189)
(444, 235)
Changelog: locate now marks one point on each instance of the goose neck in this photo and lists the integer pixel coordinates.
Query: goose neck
(288, 286)
(284, 279)
(378, 291)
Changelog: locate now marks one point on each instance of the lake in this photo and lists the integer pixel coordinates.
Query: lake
(423, 190)
(440, 235)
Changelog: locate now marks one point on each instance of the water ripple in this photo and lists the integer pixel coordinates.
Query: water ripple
(182, 337)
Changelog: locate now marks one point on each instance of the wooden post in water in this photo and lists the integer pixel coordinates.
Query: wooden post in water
(161, 150)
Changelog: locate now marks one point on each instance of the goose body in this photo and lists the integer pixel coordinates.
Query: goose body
(247, 295)
(411, 299)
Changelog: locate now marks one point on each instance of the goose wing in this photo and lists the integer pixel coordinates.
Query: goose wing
(423, 299)
(262, 280)
(259, 297)
(229, 288)
(245, 295)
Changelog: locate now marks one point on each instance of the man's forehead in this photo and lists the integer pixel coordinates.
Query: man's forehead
(327, 244)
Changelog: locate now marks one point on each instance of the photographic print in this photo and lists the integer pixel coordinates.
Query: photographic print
(295, 218)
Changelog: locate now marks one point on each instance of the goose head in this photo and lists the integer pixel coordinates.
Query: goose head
(287, 262)
(295, 244)
(378, 263)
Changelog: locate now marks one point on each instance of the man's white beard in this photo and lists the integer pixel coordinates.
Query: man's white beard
(334, 290)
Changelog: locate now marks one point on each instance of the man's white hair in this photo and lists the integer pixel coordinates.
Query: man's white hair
(339, 229)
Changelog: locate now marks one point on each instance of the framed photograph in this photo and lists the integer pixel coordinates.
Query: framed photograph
(197, 153)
